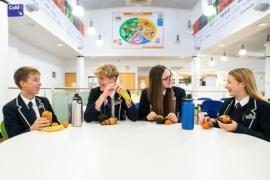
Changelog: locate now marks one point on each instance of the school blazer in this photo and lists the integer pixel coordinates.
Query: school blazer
(17, 116)
(121, 109)
(255, 120)
(145, 106)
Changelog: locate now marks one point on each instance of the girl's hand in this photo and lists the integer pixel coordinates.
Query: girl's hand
(228, 127)
(151, 116)
(172, 117)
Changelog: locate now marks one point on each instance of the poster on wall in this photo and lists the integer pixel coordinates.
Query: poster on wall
(137, 30)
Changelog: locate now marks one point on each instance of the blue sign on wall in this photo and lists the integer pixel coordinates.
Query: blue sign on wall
(15, 10)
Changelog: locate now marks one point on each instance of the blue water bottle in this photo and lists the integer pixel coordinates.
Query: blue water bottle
(188, 114)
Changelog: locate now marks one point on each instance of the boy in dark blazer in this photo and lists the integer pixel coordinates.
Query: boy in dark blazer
(106, 99)
(23, 114)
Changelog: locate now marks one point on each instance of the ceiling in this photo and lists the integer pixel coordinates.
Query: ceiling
(153, 58)
(100, 4)
(253, 37)
(28, 30)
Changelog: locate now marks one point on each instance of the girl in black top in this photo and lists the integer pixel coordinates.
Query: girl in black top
(249, 112)
(161, 98)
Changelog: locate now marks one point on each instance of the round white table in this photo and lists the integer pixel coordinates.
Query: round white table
(134, 151)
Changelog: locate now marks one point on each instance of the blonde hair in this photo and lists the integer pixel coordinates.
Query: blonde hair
(107, 70)
(246, 76)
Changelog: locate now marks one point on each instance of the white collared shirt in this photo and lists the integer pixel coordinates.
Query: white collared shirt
(26, 101)
(243, 102)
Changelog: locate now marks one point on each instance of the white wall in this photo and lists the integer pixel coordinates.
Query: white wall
(24, 54)
(4, 55)
(124, 64)
(175, 22)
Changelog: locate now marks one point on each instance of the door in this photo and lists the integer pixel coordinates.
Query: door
(70, 79)
(127, 80)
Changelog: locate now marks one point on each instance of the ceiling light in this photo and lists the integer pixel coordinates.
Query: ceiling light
(224, 57)
(60, 45)
(221, 45)
(262, 24)
(189, 28)
(210, 10)
(182, 57)
(211, 62)
(78, 10)
(242, 51)
(99, 42)
(91, 30)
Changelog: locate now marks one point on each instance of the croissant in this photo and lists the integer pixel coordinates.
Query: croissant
(225, 119)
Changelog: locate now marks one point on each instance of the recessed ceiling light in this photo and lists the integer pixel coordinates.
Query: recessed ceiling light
(60, 45)
(262, 24)
(221, 45)
(182, 57)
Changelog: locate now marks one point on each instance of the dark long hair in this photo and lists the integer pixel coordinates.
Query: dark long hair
(160, 105)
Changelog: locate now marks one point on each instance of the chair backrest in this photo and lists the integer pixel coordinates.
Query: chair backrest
(204, 99)
(3, 130)
(211, 107)
(223, 99)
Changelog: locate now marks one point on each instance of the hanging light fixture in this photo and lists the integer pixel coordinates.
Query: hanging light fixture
(99, 42)
(210, 10)
(91, 29)
(211, 62)
(178, 34)
(178, 38)
(189, 28)
(78, 10)
(242, 51)
(224, 57)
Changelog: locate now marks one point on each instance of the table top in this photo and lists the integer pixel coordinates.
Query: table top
(134, 151)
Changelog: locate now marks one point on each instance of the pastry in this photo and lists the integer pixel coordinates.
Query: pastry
(225, 119)
(159, 119)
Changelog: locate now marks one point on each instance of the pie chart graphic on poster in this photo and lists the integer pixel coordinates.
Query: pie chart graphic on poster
(138, 31)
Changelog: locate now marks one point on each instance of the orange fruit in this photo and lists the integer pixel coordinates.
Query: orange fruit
(48, 115)
(54, 124)
(205, 125)
(168, 122)
(65, 124)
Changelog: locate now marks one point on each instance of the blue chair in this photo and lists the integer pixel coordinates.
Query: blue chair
(211, 107)
(223, 99)
(204, 99)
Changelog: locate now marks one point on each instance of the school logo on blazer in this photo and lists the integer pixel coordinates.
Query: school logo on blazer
(250, 116)
(116, 102)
